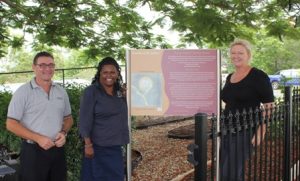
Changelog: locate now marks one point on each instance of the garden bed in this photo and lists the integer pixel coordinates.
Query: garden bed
(164, 158)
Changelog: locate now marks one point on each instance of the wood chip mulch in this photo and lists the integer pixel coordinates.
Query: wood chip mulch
(163, 158)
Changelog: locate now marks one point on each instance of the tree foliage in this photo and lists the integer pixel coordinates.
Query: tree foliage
(273, 55)
(107, 27)
(102, 27)
(219, 21)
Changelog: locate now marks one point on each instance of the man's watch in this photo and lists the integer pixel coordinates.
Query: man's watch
(64, 132)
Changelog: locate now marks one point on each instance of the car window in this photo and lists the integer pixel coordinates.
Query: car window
(285, 73)
(296, 74)
(290, 73)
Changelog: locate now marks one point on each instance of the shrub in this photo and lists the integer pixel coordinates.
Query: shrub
(7, 138)
(74, 143)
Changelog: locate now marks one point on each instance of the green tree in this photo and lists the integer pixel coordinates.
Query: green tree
(219, 21)
(20, 60)
(108, 27)
(294, 46)
(273, 55)
(103, 28)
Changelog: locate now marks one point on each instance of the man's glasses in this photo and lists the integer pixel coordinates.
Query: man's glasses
(44, 66)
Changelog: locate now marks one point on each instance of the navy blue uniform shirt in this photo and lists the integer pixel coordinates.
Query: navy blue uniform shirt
(103, 118)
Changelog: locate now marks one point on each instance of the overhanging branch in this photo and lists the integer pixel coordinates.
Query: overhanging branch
(18, 9)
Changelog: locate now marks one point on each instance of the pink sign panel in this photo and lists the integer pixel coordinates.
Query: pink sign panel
(190, 81)
(173, 82)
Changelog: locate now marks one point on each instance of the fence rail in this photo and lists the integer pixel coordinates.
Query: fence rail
(277, 157)
(61, 73)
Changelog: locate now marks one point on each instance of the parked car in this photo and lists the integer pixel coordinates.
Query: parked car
(285, 77)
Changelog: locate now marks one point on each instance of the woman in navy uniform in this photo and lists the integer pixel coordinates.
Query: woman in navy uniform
(103, 124)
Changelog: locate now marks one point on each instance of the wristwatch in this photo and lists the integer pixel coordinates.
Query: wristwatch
(64, 132)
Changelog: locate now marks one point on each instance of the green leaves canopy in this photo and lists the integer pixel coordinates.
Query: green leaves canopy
(107, 27)
(218, 22)
(101, 27)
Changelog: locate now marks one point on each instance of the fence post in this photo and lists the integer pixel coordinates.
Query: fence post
(201, 142)
(63, 76)
(287, 130)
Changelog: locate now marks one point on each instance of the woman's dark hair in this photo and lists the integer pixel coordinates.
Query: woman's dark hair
(110, 61)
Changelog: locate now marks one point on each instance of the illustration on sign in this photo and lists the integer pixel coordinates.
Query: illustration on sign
(146, 90)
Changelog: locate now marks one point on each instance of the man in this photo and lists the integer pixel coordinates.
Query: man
(40, 113)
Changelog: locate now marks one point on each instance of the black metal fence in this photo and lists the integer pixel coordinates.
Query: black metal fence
(61, 75)
(230, 149)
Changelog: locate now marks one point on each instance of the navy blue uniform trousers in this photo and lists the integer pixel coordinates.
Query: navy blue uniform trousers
(106, 165)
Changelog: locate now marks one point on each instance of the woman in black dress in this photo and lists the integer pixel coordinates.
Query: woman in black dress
(247, 87)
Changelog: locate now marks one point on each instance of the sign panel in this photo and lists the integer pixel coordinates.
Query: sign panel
(173, 82)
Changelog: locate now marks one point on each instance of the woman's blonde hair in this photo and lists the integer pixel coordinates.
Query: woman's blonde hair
(243, 43)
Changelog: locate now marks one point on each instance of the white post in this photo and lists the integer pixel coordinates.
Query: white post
(128, 83)
(219, 82)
